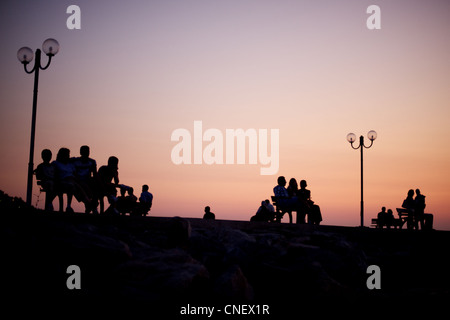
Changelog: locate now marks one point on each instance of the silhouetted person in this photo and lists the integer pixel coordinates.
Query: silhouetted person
(307, 206)
(146, 200)
(284, 202)
(45, 176)
(208, 214)
(131, 200)
(389, 218)
(304, 197)
(66, 181)
(262, 214)
(409, 205)
(86, 171)
(270, 209)
(385, 218)
(420, 205)
(107, 181)
(292, 188)
(381, 217)
(121, 204)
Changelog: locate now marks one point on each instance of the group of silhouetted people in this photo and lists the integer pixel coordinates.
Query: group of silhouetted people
(78, 177)
(412, 208)
(385, 218)
(294, 199)
(416, 210)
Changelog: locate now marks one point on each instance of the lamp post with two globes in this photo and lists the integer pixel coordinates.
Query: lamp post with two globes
(25, 56)
(351, 137)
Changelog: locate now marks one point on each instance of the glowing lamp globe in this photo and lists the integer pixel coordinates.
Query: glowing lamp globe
(50, 47)
(351, 137)
(25, 55)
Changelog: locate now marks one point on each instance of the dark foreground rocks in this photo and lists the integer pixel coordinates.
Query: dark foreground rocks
(167, 263)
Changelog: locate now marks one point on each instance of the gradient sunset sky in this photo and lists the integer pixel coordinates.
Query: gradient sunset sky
(138, 70)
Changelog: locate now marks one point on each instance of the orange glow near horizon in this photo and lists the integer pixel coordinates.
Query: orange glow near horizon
(135, 73)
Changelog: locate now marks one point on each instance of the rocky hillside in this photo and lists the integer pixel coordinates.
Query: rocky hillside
(167, 263)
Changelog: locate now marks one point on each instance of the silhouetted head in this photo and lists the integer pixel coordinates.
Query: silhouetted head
(144, 188)
(390, 211)
(411, 193)
(267, 201)
(293, 183)
(122, 191)
(130, 190)
(46, 155)
(113, 162)
(417, 191)
(63, 155)
(281, 181)
(85, 151)
(383, 209)
(207, 209)
(303, 184)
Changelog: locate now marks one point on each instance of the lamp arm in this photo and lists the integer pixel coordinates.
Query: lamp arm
(48, 63)
(351, 143)
(371, 143)
(25, 68)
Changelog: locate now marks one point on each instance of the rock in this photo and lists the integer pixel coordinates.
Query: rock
(164, 274)
(232, 285)
(179, 232)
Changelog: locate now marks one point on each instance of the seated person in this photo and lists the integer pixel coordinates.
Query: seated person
(45, 176)
(389, 218)
(208, 214)
(285, 203)
(121, 204)
(263, 213)
(307, 206)
(381, 218)
(131, 201)
(145, 200)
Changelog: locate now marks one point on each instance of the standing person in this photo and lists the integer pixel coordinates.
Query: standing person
(66, 180)
(409, 205)
(146, 200)
(208, 214)
(419, 203)
(45, 176)
(86, 170)
(107, 181)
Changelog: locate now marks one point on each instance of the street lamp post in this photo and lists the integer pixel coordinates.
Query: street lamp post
(351, 137)
(25, 56)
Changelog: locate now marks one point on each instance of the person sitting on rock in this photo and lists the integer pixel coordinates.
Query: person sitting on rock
(208, 214)
(263, 213)
(145, 200)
